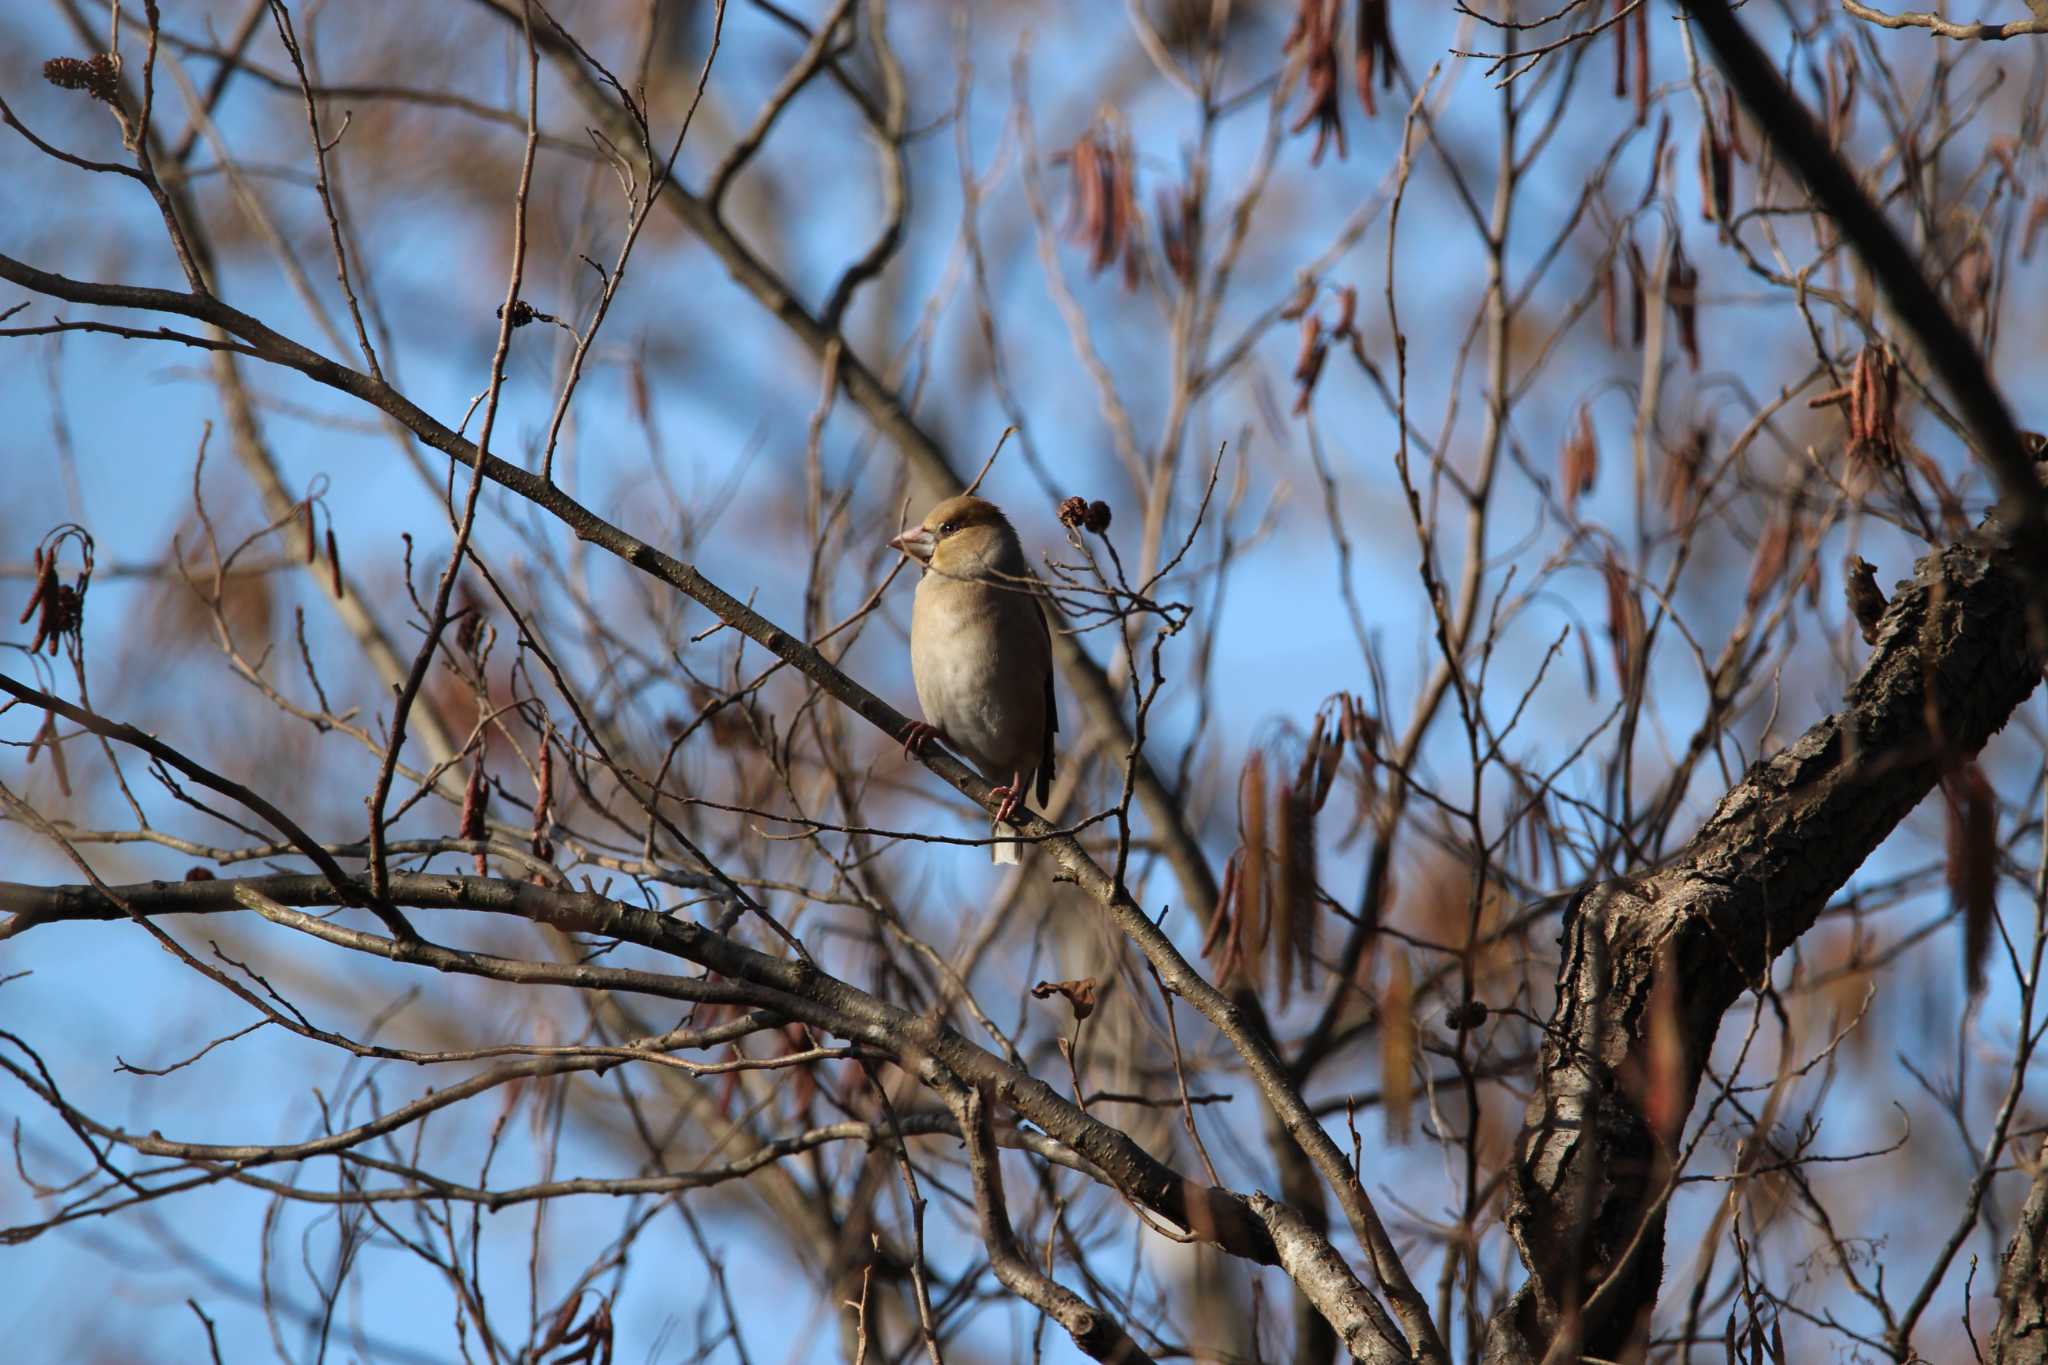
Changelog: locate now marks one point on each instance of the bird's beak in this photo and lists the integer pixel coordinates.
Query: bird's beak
(917, 542)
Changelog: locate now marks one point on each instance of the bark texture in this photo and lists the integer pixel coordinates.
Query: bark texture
(2022, 1334)
(1956, 653)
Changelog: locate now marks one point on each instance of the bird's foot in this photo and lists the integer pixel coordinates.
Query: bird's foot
(917, 737)
(1008, 799)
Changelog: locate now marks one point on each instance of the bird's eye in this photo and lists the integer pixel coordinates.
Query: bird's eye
(947, 529)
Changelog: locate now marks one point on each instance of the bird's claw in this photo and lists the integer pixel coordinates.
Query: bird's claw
(916, 738)
(1007, 800)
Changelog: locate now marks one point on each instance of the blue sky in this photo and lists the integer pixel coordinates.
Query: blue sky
(731, 390)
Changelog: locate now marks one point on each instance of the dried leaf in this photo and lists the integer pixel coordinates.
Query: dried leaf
(1080, 994)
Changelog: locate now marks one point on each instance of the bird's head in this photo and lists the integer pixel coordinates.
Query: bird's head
(962, 537)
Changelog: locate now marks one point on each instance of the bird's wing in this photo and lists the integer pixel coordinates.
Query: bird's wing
(1052, 709)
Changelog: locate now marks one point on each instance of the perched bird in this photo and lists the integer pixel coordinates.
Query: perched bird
(981, 652)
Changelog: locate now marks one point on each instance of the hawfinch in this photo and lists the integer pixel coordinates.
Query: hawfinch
(981, 652)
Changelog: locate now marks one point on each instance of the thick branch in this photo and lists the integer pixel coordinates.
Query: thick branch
(1100, 1336)
(2022, 1334)
(1953, 659)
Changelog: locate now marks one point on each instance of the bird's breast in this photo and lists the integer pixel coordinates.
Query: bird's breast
(979, 663)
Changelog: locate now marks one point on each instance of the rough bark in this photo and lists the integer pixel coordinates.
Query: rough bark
(2022, 1334)
(1957, 652)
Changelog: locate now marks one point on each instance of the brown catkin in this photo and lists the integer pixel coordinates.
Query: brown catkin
(1251, 881)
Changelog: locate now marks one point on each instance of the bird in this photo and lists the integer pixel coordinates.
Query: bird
(981, 653)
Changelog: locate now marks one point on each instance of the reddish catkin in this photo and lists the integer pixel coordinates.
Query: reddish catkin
(1311, 47)
(1610, 304)
(1251, 881)
(1732, 117)
(46, 738)
(1221, 937)
(1285, 888)
(1773, 550)
(334, 564)
(2037, 217)
(544, 802)
(1580, 464)
(1297, 901)
(1638, 303)
(45, 585)
(1362, 733)
(1624, 618)
(1180, 230)
(1397, 1048)
(1643, 62)
(1681, 291)
(1308, 363)
(1972, 864)
(1715, 172)
(1664, 1088)
(1375, 51)
(476, 799)
(1621, 51)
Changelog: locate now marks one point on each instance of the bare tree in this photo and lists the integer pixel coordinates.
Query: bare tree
(1550, 853)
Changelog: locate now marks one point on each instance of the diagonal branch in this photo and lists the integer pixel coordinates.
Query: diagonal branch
(1955, 656)
(338, 880)
(1232, 1020)
(932, 466)
(793, 989)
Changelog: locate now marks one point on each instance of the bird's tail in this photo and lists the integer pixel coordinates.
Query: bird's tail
(1003, 852)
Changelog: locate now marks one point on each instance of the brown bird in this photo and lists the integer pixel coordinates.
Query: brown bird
(981, 652)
